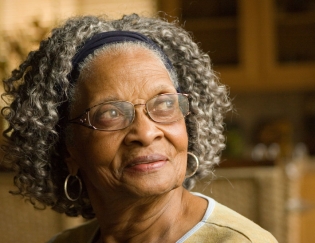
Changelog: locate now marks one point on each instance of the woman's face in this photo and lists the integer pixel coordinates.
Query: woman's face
(143, 159)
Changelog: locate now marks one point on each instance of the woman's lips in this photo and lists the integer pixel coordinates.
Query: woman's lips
(146, 163)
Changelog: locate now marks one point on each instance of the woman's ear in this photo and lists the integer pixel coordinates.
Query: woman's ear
(72, 164)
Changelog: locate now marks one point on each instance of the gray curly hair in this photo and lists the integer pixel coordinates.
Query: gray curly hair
(39, 96)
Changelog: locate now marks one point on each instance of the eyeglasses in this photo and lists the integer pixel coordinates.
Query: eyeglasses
(117, 115)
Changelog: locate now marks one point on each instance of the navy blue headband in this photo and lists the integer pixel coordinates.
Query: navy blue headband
(109, 37)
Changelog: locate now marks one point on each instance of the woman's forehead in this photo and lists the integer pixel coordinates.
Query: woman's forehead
(120, 73)
(141, 63)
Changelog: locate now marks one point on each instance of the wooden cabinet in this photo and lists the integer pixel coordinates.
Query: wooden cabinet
(265, 45)
(301, 201)
(307, 217)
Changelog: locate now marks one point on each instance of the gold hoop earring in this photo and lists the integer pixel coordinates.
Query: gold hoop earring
(196, 162)
(66, 187)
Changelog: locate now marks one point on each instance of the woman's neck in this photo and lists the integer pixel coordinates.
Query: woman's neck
(163, 218)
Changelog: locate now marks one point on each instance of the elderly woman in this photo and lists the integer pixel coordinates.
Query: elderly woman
(115, 120)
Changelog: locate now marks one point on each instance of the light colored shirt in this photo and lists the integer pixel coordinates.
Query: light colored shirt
(219, 224)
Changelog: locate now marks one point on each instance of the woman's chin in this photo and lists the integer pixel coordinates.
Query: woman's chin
(151, 184)
(150, 192)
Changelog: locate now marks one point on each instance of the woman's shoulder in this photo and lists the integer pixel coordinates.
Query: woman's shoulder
(222, 224)
(84, 233)
(231, 223)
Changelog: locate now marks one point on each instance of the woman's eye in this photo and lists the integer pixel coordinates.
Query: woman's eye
(113, 113)
(169, 103)
(164, 105)
(108, 115)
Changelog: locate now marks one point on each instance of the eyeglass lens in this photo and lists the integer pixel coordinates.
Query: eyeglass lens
(115, 115)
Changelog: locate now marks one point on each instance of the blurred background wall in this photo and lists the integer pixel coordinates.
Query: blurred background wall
(264, 51)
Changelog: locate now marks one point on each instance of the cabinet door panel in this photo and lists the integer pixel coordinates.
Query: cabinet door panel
(307, 217)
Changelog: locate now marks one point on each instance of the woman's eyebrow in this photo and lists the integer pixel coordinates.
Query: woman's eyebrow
(107, 99)
(162, 87)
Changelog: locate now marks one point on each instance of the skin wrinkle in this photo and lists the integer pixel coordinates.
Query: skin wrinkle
(121, 233)
(86, 73)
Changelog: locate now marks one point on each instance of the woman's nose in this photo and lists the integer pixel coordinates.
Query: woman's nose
(143, 130)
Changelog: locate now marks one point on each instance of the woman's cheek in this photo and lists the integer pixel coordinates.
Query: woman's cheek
(177, 135)
(97, 147)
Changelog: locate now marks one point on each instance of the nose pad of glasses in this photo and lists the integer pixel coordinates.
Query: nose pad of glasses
(144, 109)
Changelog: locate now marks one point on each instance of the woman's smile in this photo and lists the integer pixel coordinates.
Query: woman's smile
(147, 163)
